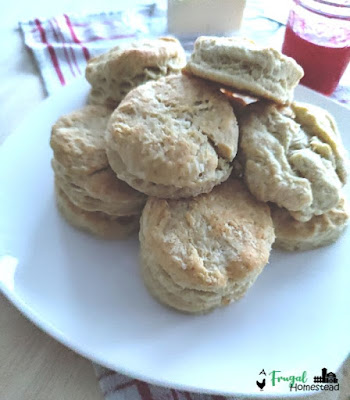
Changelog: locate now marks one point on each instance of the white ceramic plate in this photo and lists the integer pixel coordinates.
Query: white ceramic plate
(87, 293)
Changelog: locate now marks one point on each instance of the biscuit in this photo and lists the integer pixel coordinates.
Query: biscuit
(297, 165)
(77, 140)
(81, 166)
(113, 74)
(100, 191)
(97, 223)
(241, 64)
(320, 124)
(198, 254)
(319, 231)
(172, 138)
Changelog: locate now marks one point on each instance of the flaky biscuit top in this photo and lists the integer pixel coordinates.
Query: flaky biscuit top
(174, 131)
(293, 157)
(211, 241)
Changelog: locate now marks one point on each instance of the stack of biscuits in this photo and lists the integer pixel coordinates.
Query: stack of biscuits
(211, 182)
(89, 193)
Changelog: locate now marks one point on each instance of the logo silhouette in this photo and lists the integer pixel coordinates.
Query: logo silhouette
(261, 384)
(326, 378)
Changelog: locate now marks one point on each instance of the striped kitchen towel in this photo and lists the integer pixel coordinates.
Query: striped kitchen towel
(62, 45)
(115, 386)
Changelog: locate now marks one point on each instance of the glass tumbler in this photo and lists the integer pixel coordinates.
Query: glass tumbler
(318, 38)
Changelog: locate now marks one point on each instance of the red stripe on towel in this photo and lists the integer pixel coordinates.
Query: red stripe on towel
(112, 37)
(70, 50)
(174, 394)
(51, 52)
(144, 390)
(187, 395)
(84, 25)
(75, 38)
(61, 39)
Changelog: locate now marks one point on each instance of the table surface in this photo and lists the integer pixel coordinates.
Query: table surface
(33, 365)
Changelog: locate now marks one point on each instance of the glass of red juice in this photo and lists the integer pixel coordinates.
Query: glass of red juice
(318, 38)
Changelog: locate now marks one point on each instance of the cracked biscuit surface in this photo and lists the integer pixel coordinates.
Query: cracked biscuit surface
(172, 138)
(293, 157)
(113, 74)
(320, 230)
(77, 140)
(240, 64)
(198, 254)
(81, 166)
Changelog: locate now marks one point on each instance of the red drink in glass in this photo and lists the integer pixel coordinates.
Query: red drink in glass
(318, 38)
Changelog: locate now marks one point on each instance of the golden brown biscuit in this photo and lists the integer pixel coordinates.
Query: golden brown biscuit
(77, 140)
(290, 163)
(171, 138)
(241, 64)
(201, 253)
(97, 223)
(113, 74)
(81, 166)
(319, 231)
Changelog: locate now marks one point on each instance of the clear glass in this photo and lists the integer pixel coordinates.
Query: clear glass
(318, 38)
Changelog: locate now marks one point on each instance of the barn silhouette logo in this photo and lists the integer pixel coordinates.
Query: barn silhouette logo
(326, 378)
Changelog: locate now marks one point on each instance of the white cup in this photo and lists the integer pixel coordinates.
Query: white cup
(204, 17)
